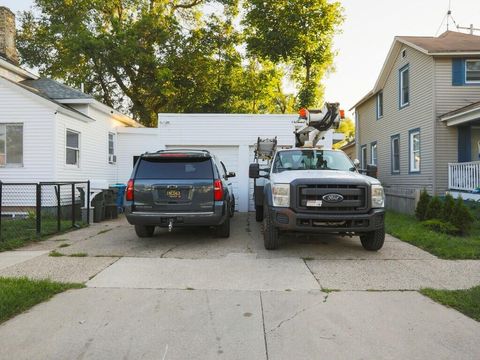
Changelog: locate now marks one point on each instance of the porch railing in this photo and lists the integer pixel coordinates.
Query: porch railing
(464, 176)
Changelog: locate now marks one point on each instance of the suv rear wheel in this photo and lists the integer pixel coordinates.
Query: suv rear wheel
(270, 232)
(144, 231)
(223, 230)
(373, 240)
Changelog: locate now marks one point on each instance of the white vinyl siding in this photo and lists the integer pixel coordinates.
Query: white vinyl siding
(72, 148)
(11, 144)
(472, 71)
(414, 155)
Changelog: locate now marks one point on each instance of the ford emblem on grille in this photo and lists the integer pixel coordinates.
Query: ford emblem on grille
(332, 198)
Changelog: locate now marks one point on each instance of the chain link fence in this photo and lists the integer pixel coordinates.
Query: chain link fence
(32, 210)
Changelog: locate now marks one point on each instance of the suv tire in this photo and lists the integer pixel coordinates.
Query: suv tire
(373, 240)
(143, 231)
(259, 213)
(270, 233)
(232, 207)
(223, 230)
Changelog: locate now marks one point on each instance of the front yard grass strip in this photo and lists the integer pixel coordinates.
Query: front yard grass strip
(20, 294)
(409, 229)
(78, 255)
(465, 301)
(55, 253)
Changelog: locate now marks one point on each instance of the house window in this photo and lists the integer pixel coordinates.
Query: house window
(363, 157)
(395, 150)
(380, 105)
(112, 158)
(404, 86)
(404, 53)
(373, 153)
(11, 144)
(73, 148)
(414, 154)
(472, 71)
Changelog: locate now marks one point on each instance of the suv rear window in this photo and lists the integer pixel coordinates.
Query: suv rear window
(175, 168)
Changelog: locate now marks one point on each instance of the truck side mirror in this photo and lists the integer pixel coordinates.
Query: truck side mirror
(356, 162)
(231, 174)
(254, 171)
(372, 171)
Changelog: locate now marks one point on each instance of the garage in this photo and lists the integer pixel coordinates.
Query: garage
(231, 137)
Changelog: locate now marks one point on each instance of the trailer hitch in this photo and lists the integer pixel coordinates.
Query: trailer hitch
(170, 225)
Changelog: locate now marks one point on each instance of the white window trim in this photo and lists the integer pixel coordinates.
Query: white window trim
(114, 147)
(363, 156)
(379, 116)
(471, 81)
(71, 166)
(392, 141)
(412, 153)
(374, 146)
(402, 103)
(13, 165)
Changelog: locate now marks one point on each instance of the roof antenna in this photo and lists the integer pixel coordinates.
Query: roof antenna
(447, 18)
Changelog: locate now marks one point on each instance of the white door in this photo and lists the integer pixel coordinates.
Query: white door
(226, 154)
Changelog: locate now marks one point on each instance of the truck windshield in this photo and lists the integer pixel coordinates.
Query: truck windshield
(312, 160)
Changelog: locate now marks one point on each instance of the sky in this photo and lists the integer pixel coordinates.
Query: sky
(368, 32)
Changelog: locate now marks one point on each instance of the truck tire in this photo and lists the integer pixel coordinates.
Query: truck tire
(270, 233)
(373, 240)
(143, 231)
(223, 230)
(258, 213)
(232, 208)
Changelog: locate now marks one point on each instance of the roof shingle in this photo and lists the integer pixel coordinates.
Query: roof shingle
(55, 90)
(448, 42)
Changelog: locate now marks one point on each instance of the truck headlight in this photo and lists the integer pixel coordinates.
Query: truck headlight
(378, 196)
(281, 195)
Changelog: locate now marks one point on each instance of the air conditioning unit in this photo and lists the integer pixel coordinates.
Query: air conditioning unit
(112, 159)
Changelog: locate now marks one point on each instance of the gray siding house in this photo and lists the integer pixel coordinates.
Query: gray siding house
(420, 124)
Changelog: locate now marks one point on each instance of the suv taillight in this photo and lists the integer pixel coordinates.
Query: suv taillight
(218, 190)
(129, 191)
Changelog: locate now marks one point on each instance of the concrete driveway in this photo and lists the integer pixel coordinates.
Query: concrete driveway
(189, 295)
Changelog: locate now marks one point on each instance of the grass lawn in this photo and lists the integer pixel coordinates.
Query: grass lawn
(18, 295)
(465, 301)
(16, 233)
(407, 228)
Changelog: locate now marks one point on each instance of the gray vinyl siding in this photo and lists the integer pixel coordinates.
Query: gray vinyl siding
(448, 98)
(418, 114)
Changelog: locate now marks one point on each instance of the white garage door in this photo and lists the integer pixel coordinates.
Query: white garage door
(227, 154)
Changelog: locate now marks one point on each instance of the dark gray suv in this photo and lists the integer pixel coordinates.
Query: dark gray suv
(174, 188)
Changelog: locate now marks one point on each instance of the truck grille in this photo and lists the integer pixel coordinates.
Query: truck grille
(353, 198)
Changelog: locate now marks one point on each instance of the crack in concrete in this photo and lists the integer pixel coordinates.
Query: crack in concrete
(280, 324)
(311, 273)
(169, 250)
(263, 324)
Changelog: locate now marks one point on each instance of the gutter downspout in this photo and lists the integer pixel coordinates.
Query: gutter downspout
(434, 84)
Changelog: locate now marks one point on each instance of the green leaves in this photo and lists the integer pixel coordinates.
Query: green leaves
(146, 57)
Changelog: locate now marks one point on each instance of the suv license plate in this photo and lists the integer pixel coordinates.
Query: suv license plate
(314, 203)
(174, 194)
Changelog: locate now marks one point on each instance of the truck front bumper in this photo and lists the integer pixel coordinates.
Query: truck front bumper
(179, 219)
(288, 220)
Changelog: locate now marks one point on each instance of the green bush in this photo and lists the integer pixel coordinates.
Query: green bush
(448, 208)
(434, 209)
(422, 205)
(462, 218)
(441, 226)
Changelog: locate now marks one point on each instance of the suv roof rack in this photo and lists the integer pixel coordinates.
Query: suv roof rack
(186, 150)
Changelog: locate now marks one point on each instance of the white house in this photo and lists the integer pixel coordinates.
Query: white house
(49, 131)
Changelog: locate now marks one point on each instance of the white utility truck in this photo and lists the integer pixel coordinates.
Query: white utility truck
(313, 188)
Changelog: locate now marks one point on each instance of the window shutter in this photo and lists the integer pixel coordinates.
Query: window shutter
(464, 144)
(458, 72)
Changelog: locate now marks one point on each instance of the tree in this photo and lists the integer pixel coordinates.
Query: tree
(347, 128)
(147, 57)
(422, 206)
(298, 33)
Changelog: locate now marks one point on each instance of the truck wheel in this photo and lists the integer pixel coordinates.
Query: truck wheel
(259, 213)
(223, 230)
(144, 231)
(270, 233)
(373, 240)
